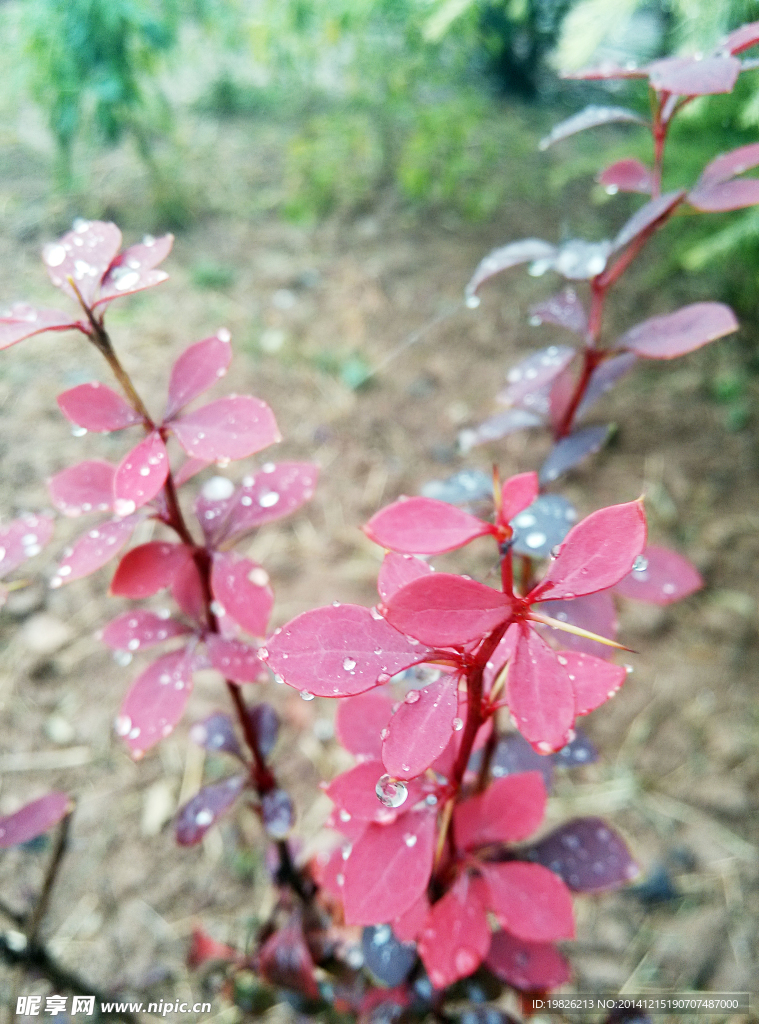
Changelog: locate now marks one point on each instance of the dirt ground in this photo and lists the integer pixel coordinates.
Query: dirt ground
(679, 771)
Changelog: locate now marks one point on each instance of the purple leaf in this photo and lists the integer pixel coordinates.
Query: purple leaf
(626, 176)
(463, 488)
(132, 271)
(728, 165)
(155, 702)
(420, 729)
(97, 407)
(542, 525)
(742, 38)
(138, 629)
(242, 588)
(265, 722)
(647, 216)
(727, 195)
(277, 813)
(603, 379)
(578, 260)
(340, 651)
(674, 334)
(235, 660)
(591, 117)
(594, 612)
(23, 321)
(498, 426)
(86, 487)
(526, 966)
(524, 251)
(230, 428)
(691, 76)
(22, 539)
(215, 733)
(197, 369)
(84, 254)
(276, 490)
(94, 549)
(577, 752)
(564, 310)
(514, 755)
(531, 374)
(34, 819)
(587, 854)
(389, 960)
(660, 576)
(140, 475)
(205, 809)
(571, 450)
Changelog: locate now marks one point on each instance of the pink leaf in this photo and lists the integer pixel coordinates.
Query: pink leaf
(276, 490)
(420, 729)
(627, 176)
(235, 660)
(727, 165)
(660, 576)
(648, 216)
(397, 571)
(594, 612)
(608, 69)
(389, 868)
(517, 494)
(591, 117)
(540, 694)
(424, 526)
(340, 651)
(565, 309)
(84, 254)
(359, 722)
(132, 271)
(94, 549)
(526, 966)
(155, 702)
(86, 487)
(524, 251)
(456, 935)
(504, 652)
(727, 195)
(205, 808)
(529, 901)
(509, 810)
(34, 819)
(189, 469)
(407, 927)
(596, 553)
(689, 76)
(23, 321)
(587, 855)
(140, 475)
(742, 38)
(593, 680)
(443, 610)
(97, 407)
(137, 630)
(22, 539)
(355, 796)
(149, 568)
(197, 369)
(242, 588)
(674, 334)
(230, 428)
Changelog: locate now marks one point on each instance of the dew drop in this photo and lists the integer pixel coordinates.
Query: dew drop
(562, 660)
(217, 608)
(629, 669)
(124, 507)
(78, 431)
(409, 839)
(53, 255)
(669, 588)
(458, 724)
(349, 664)
(126, 281)
(258, 577)
(133, 644)
(640, 564)
(145, 471)
(466, 962)
(345, 815)
(304, 694)
(218, 488)
(535, 321)
(122, 725)
(555, 550)
(268, 500)
(472, 301)
(391, 792)
(204, 817)
(430, 800)
(535, 540)
(611, 190)
(412, 697)
(544, 748)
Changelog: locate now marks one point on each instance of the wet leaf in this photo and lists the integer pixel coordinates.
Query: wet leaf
(284, 960)
(513, 755)
(587, 854)
(97, 407)
(420, 729)
(397, 571)
(526, 966)
(277, 813)
(690, 76)
(593, 680)
(208, 805)
(727, 195)
(84, 254)
(187, 590)
(22, 539)
(526, 380)
(674, 334)
(660, 576)
(539, 693)
(524, 251)
(235, 660)
(463, 488)
(33, 819)
(529, 901)
(603, 379)
(94, 549)
(138, 629)
(627, 176)
(424, 526)
(443, 610)
(155, 702)
(647, 216)
(593, 612)
(148, 568)
(359, 722)
(578, 260)
(389, 960)
(591, 117)
(23, 321)
(564, 310)
(498, 426)
(197, 369)
(542, 525)
(140, 475)
(353, 793)
(578, 751)
(408, 926)
(340, 651)
(517, 494)
(229, 428)
(456, 936)
(265, 722)
(132, 270)
(85, 487)
(572, 450)
(509, 810)
(242, 588)
(216, 732)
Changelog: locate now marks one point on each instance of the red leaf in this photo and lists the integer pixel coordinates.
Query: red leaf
(140, 475)
(132, 270)
(504, 652)
(596, 553)
(83, 254)
(242, 588)
(155, 702)
(22, 539)
(456, 935)
(660, 577)
(397, 571)
(742, 38)
(97, 407)
(509, 810)
(527, 966)
(727, 165)
(148, 568)
(594, 612)
(591, 117)
(517, 494)
(205, 808)
(424, 526)
(359, 722)
(674, 334)
(340, 651)
(593, 680)
(86, 487)
(443, 610)
(34, 819)
(187, 591)
(565, 309)
(524, 251)
(94, 549)
(727, 195)
(203, 949)
(647, 217)
(230, 428)
(197, 369)
(407, 927)
(284, 960)
(540, 695)
(23, 321)
(354, 794)
(587, 855)
(388, 868)
(689, 76)
(235, 660)
(137, 630)
(529, 901)
(420, 729)
(627, 176)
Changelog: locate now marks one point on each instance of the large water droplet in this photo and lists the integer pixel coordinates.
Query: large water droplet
(412, 697)
(391, 792)
(458, 724)
(472, 301)
(218, 488)
(640, 564)
(535, 539)
(122, 725)
(349, 664)
(304, 695)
